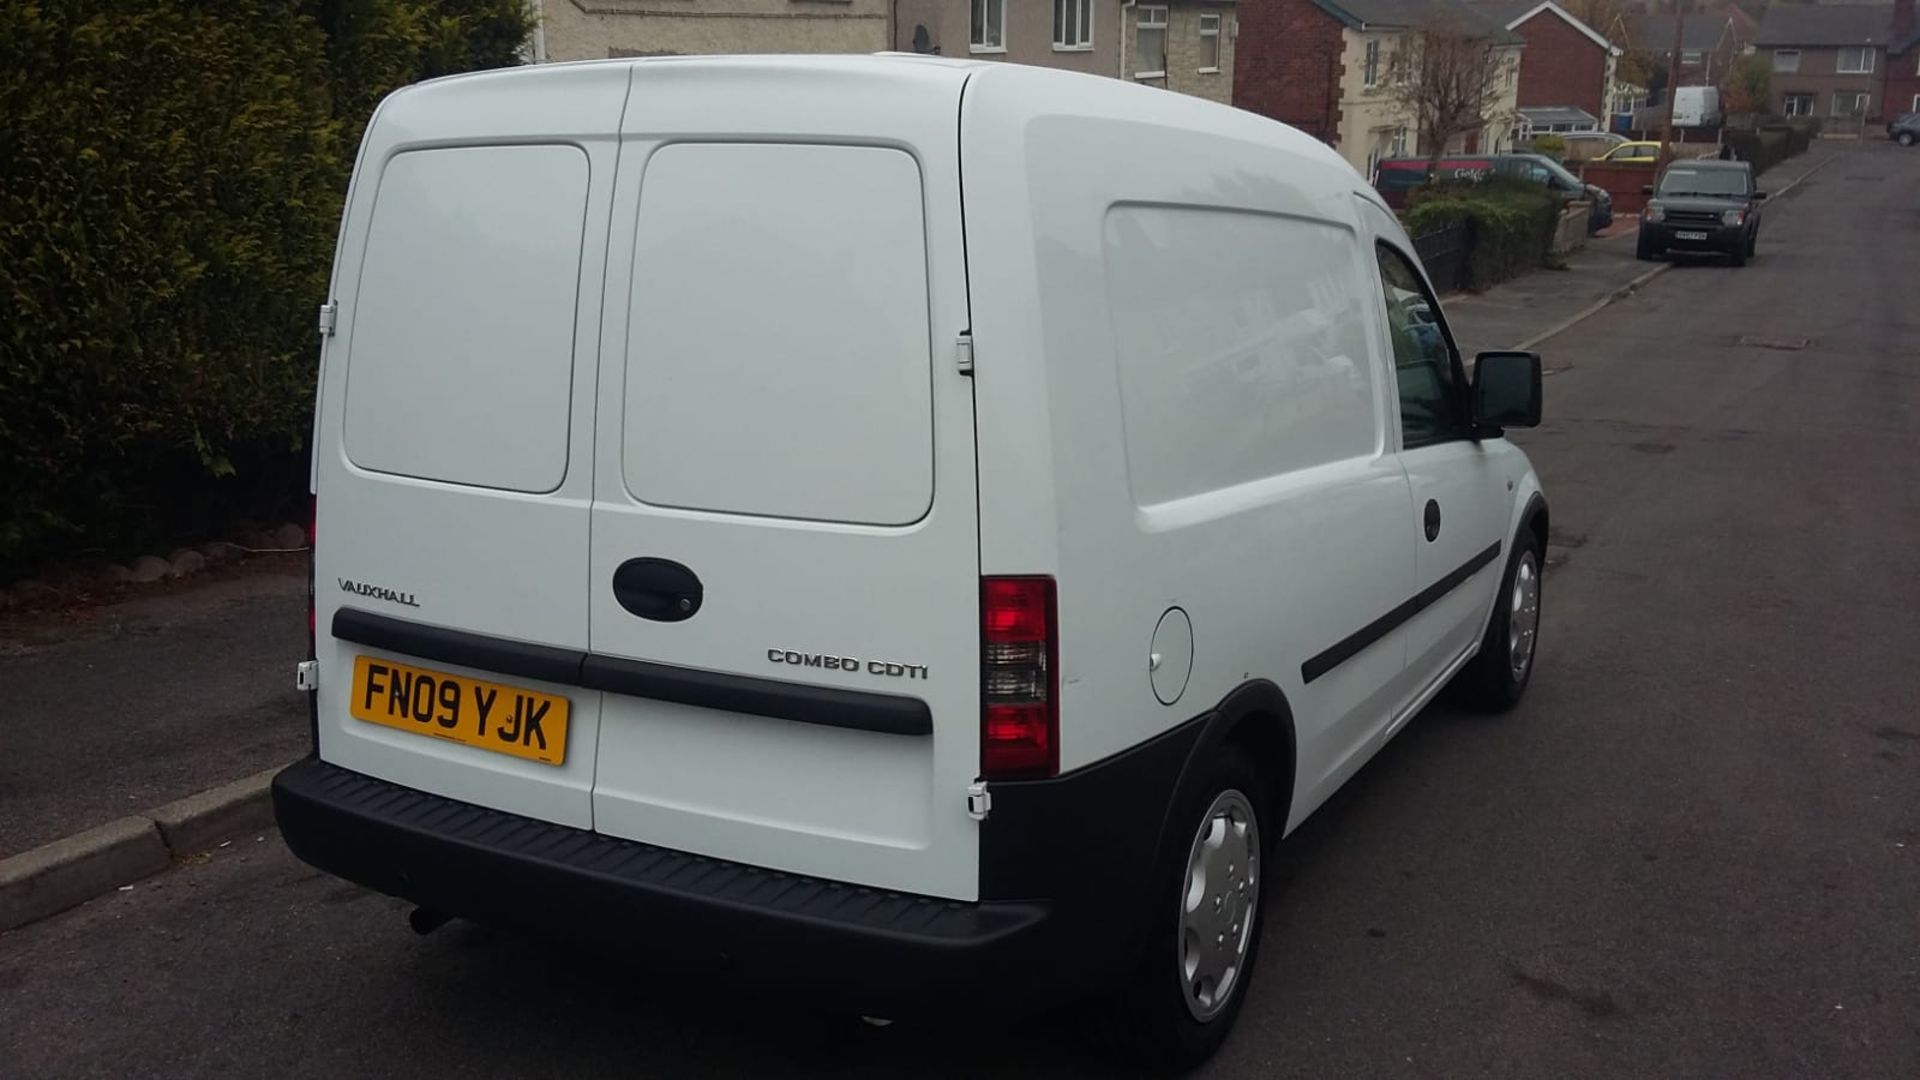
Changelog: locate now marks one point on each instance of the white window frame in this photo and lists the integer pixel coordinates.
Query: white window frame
(1085, 11)
(1781, 63)
(1866, 57)
(1210, 28)
(1400, 142)
(1142, 20)
(1787, 102)
(983, 7)
(1858, 95)
(1370, 67)
(1691, 57)
(1916, 103)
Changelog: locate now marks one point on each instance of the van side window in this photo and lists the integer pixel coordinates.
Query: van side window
(1423, 364)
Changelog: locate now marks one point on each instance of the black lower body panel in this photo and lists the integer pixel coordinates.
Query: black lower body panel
(1056, 934)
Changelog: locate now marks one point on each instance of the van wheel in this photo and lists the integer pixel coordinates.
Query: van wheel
(1498, 676)
(1203, 936)
(1643, 250)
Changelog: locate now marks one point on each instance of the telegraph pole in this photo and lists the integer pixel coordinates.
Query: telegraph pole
(1673, 86)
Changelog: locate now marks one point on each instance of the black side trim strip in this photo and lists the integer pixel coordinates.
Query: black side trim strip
(1350, 646)
(858, 709)
(828, 706)
(542, 662)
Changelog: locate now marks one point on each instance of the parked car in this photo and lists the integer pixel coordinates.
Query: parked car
(1633, 153)
(728, 553)
(1705, 206)
(1395, 177)
(1588, 145)
(1905, 128)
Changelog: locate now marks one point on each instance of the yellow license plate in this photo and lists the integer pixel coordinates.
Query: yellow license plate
(505, 719)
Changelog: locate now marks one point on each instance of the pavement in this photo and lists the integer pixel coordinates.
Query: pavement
(115, 710)
(1694, 850)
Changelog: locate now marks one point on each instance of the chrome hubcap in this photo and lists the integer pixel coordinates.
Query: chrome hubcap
(1217, 907)
(1523, 619)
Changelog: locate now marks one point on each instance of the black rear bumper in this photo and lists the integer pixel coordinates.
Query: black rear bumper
(843, 946)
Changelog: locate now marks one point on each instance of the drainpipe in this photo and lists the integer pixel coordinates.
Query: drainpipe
(539, 31)
(1120, 46)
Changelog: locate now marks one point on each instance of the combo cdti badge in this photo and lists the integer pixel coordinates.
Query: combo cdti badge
(910, 532)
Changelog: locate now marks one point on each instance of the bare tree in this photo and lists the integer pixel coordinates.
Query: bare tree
(1449, 79)
(1608, 18)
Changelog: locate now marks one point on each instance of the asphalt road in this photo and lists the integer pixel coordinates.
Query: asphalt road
(1693, 852)
(109, 710)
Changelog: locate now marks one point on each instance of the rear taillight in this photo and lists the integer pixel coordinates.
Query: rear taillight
(1019, 678)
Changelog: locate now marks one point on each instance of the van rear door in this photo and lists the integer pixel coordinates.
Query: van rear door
(454, 449)
(784, 583)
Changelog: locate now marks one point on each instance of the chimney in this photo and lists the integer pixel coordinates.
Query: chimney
(1902, 22)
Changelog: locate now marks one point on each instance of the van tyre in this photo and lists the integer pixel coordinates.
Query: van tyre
(1203, 933)
(1498, 676)
(1643, 250)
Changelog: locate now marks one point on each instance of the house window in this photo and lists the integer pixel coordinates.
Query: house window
(1400, 142)
(989, 25)
(1690, 57)
(1798, 105)
(1372, 69)
(1209, 43)
(1150, 42)
(1786, 61)
(1849, 103)
(1072, 24)
(1857, 61)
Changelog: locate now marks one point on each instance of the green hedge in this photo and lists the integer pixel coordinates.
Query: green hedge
(1511, 223)
(171, 174)
(1764, 148)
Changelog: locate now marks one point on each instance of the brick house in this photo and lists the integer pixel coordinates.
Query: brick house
(597, 29)
(1902, 94)
(1566, 64)
(1830, 61)
(1184, 45)
(1322, 66)
(1710, 41)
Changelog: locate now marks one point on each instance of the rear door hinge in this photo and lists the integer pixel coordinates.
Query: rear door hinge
(979, 800)
(306, 676)
(329, 314)
(963, 354)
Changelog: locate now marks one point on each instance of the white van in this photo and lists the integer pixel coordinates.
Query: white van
(906, 531)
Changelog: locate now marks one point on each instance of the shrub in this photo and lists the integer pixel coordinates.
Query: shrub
(1553, 146)
(171, 174)
(1511, 224)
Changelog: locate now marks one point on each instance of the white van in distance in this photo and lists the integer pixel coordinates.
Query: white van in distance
(910, 532)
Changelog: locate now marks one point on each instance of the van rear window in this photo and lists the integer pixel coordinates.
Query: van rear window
(460, 364)
(777, 349)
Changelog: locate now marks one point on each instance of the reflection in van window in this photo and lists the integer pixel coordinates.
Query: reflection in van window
(460, 360)
(1241, 345)
(778, 357)
(1422, 359)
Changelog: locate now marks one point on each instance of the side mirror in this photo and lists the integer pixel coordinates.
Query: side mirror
(1506, 391)
(1646, 189)
(1759, 196)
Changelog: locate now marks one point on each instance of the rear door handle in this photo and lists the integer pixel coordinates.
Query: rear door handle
(1431, 519)
(658, 589)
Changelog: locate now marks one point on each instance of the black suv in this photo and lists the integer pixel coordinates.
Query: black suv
(1709, 207)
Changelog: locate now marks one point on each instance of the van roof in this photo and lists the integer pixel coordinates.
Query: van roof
(1049, 88)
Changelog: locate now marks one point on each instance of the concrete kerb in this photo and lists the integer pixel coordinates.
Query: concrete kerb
(1634, 286)
(66, 873)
